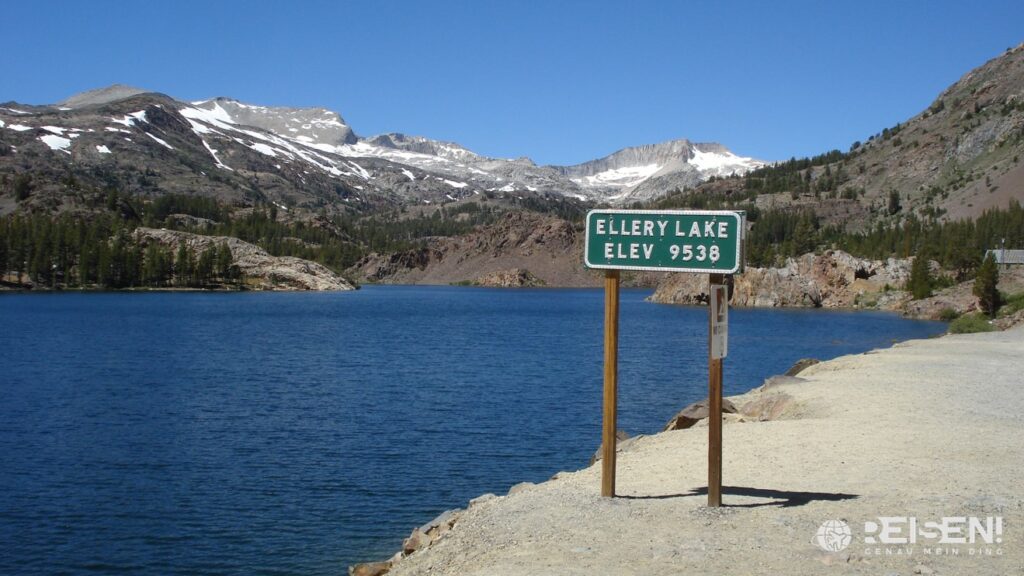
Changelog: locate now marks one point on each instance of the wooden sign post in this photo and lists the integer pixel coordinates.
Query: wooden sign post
(699, 241)
(611, 375)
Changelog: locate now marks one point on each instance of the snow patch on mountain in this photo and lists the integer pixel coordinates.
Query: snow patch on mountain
(619, 177)
(131, 119)
(55, 142)
(263, 149)
(454, 184)
(722, 163)
(216, 159)
(160, 141)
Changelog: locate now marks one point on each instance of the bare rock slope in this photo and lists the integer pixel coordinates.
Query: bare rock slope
(834, 279)
(544, 250)
(262, 270)
(546, 247)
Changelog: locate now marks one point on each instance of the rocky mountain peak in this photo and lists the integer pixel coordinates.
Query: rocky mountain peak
(104, 95)
(421, 145)
(661, 154)
(310, 125)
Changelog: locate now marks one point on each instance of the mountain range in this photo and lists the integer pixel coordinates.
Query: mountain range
(399, 208)
(146, 143)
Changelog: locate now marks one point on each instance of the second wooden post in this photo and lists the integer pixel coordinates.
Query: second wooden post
(714, 403)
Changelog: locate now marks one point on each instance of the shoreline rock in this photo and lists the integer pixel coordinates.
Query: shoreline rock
(694, 413)
(266, 272)
(511, 278)
(833, 279)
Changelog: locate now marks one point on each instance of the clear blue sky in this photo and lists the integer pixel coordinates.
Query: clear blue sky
(559, 81)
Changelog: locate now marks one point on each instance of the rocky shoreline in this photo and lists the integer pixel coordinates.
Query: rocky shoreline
(856, 438)
(261, 270)
(835, 279)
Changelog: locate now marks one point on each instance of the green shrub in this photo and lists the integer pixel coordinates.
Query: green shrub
(948, 315)
(1012, 304)
(970, 323)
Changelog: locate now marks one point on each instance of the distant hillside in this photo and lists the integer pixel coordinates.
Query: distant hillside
(548, 248)
(957, 158)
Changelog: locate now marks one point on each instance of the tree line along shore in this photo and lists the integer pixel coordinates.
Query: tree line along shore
(91, 246)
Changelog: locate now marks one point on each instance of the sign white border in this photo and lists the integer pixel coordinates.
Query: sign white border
(738, 215)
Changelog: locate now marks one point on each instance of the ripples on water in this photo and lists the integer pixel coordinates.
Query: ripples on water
(284, 433)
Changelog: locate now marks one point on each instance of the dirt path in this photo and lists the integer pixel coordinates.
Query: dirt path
(926, 429)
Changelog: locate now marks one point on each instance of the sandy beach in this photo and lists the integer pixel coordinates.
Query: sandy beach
(925, 431)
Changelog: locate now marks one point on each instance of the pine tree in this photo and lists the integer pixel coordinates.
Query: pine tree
(894, 202)
(3, 250)
(920, 282)
(204, 266)
(183, 266)
(104, 274)
(985, 286)
(22, 186)
(132, 272)
(155, 266)
(224, 262)
(88, 254)
(803, 235)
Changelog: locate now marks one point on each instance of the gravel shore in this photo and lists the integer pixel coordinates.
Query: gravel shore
(927, 429)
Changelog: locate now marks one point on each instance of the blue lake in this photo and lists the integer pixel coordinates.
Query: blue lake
(296, 433)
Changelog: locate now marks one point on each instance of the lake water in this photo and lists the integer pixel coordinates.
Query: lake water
(296, 433)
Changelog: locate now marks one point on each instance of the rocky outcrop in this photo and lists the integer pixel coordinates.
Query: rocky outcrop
(261, 270)
(514, 278)
(189, 221)
(801, 365)
(622, 441)
(769, 406)
(420, 539)
(694, 413)
(834, 279)
(370, 569)
(386, 267)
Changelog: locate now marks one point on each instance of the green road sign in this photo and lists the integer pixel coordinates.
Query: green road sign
(665, 240)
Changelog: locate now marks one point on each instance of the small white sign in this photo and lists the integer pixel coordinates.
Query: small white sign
(719, 321)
